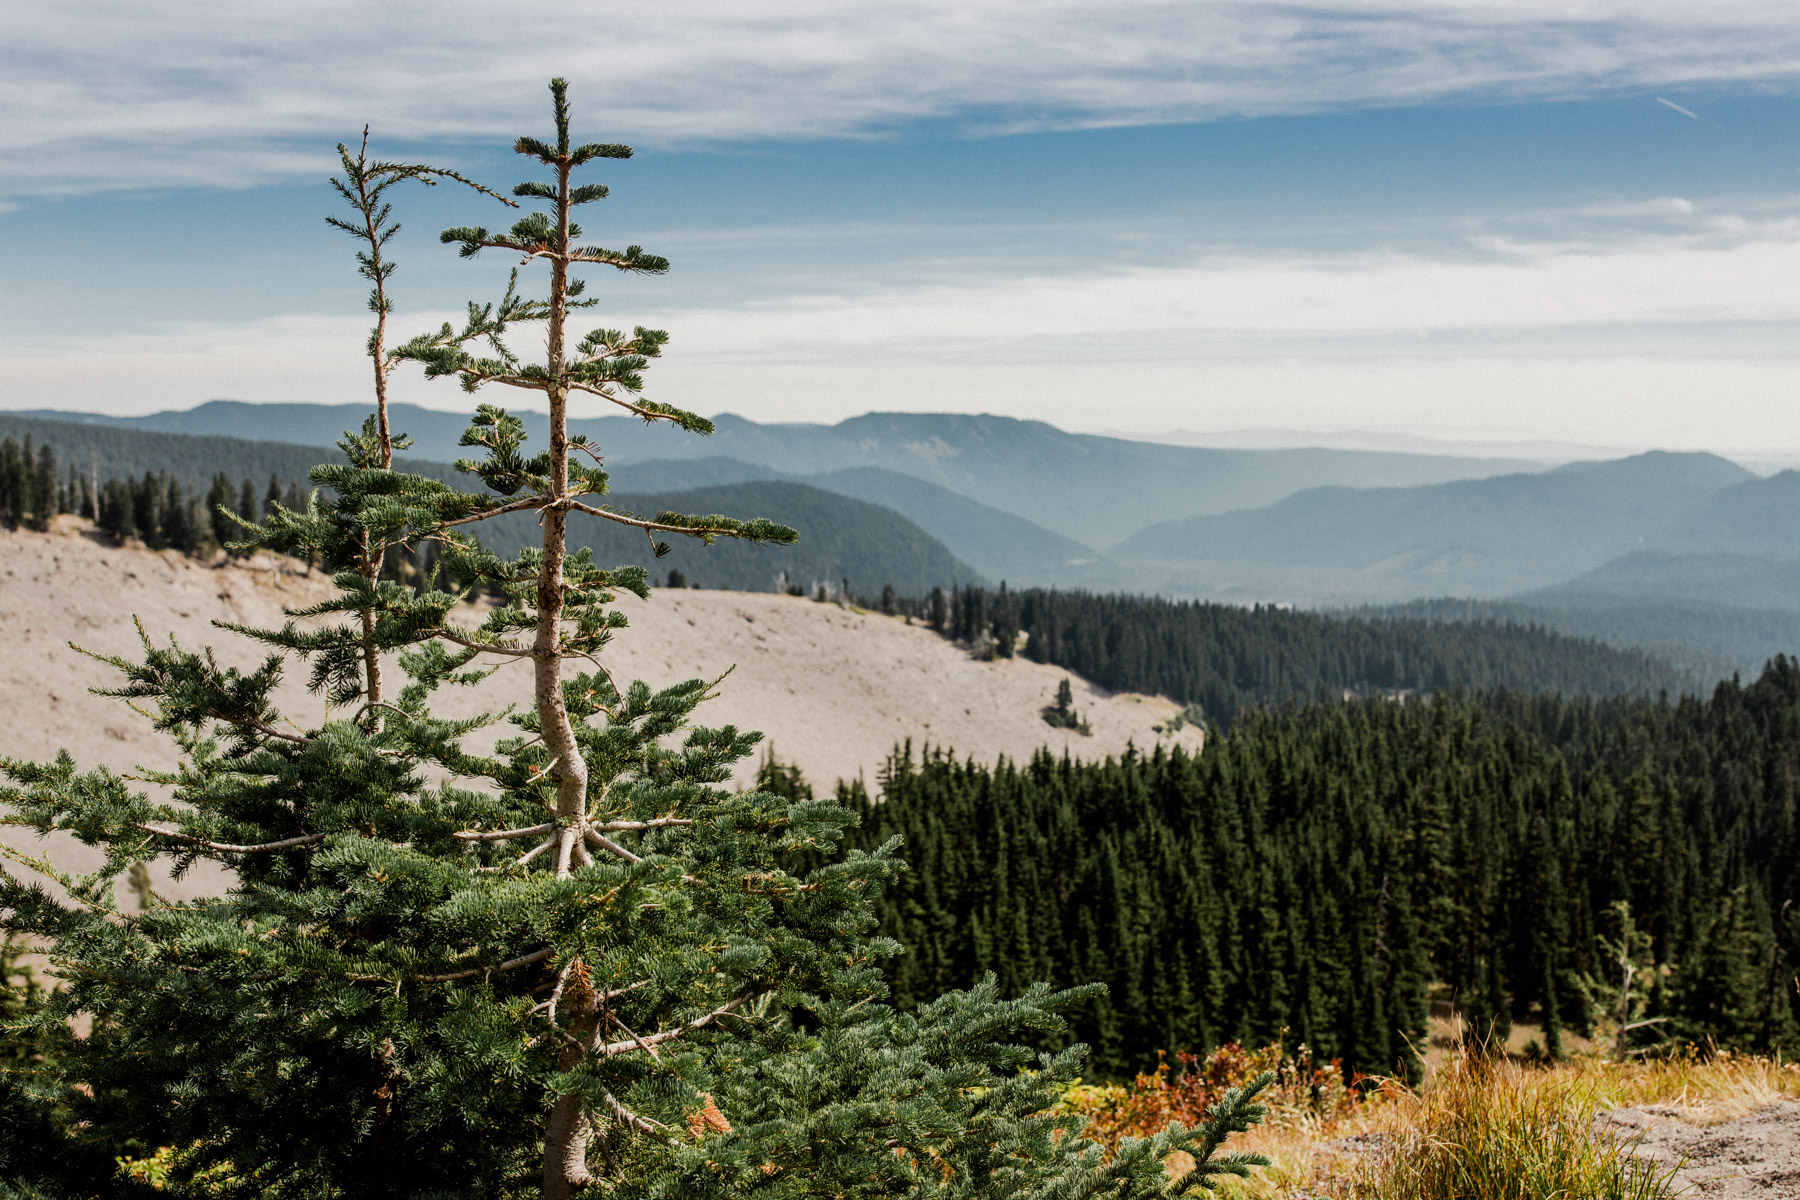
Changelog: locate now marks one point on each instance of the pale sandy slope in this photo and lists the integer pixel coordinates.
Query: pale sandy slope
(834, 690)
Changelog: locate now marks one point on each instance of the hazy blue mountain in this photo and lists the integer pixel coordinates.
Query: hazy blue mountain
(1003, 546)
(998, 544)
(1090, 488)
(1485, 537)
(1759, 517)
(680, 474)
(1742, 580)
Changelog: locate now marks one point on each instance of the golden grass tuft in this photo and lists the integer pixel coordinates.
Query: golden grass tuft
(1479, 1129)
(1492, 1130)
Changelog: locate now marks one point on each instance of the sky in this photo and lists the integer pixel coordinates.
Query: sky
(1422, 222)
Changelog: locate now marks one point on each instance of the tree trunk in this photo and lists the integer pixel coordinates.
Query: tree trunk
(565, 1138)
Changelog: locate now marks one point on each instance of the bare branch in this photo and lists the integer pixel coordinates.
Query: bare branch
(610, 846)
(627, 826)
(630, 1119)
(535, 851)
(307, 839)
(509, 965)
(501, 835)
(515, 506)
(668, 1035)
(646, 1047)
(623, 403)
(510, 651)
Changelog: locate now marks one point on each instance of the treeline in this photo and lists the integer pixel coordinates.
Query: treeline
(114, 452)
(1226, 659)
(153, 508)
(1308, 875)
(156, 510)
(1708, 640)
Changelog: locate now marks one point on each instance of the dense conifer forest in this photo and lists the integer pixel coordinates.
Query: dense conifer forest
(1308, 875)
(1226, 658)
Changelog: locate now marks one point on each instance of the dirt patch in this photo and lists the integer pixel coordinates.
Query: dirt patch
(1757, 1155)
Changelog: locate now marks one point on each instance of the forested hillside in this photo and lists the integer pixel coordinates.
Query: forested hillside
(1306, 876)
(1224, 658)
(1027, 468)
(110, 451)
(1707, 640)
(840, 539)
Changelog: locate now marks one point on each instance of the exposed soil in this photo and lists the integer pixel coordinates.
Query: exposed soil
(1757, 1155)
(834, 690)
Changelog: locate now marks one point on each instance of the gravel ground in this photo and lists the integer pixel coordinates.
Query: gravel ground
(1757, 1155)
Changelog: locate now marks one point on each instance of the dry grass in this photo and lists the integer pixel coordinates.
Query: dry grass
(1504, 1130)
(1478, 1130)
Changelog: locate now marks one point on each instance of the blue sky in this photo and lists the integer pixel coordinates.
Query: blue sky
(1479, 223)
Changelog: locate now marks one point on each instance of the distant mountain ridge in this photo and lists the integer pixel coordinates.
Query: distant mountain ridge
(1094, 490)
(1486, 537)
(1687, 555)
(983, 542)
(841, 537)
(1001, 545)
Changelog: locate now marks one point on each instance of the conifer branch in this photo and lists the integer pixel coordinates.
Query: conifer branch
(703, 527)
(638, 409)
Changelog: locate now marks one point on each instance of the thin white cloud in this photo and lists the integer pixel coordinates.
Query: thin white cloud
(101, 93)
(1678, 340)
(1219, 304)
(1686, 112)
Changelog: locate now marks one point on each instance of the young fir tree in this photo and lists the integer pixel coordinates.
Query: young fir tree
(12, 482)
(571, 962)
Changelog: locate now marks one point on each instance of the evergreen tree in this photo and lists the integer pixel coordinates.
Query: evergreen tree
(116, 510)
(12, 482)
(1717, 989)
(221, 500)
(178, 532)
(43, 490)
(938, 610)
(26, 487)
(572, 960)
(146, 510)
(273, 496)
